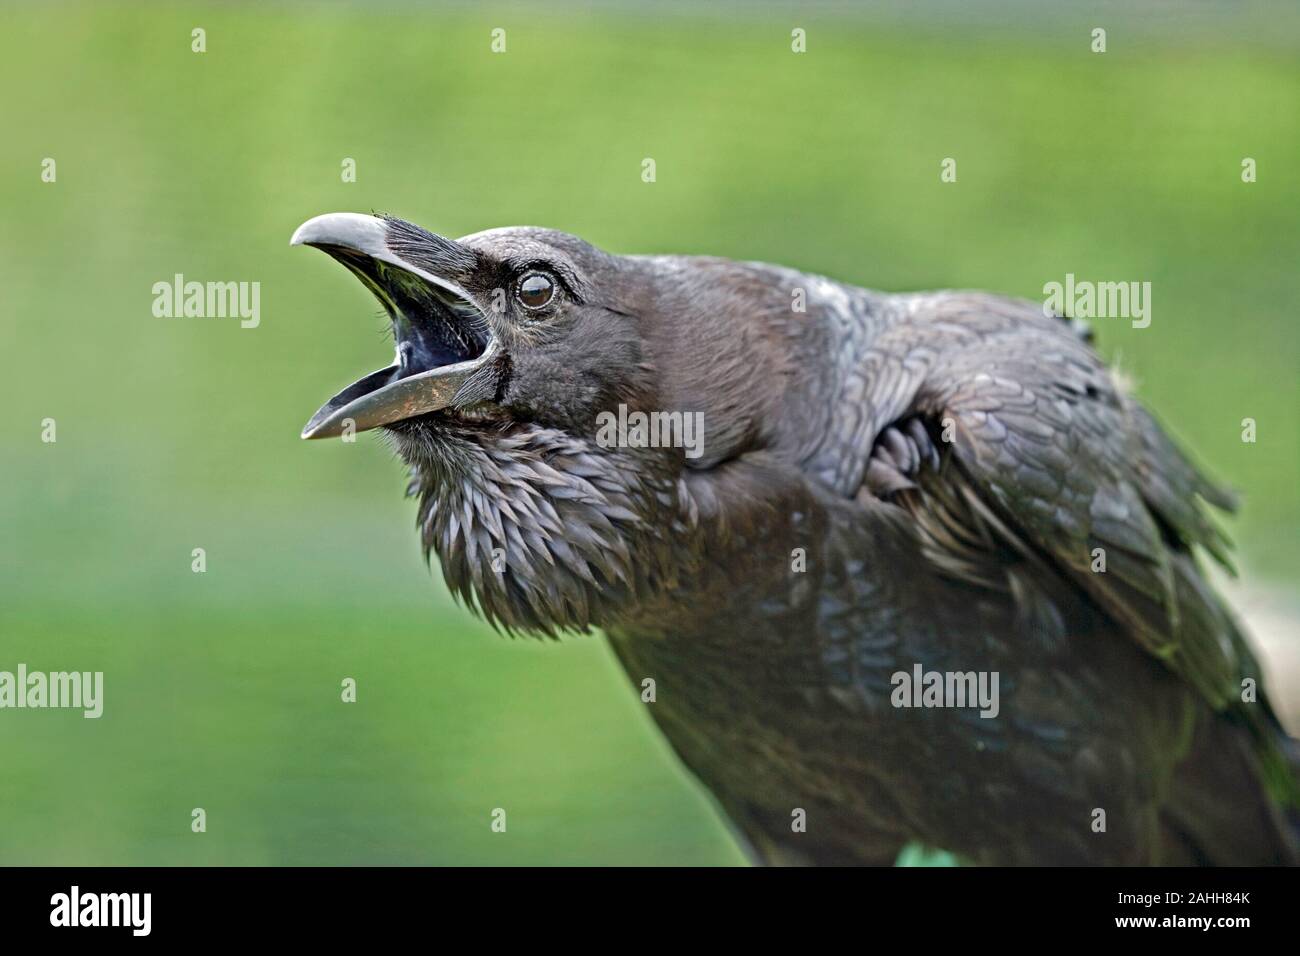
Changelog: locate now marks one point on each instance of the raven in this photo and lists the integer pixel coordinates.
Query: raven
(900, 503)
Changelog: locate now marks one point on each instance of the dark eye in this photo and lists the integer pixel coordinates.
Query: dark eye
(536, 290)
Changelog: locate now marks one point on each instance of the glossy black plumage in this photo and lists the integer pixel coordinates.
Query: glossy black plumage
(886, 481)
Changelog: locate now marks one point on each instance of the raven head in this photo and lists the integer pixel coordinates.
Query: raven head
(544, 392)
(506, 325)
(510, 345)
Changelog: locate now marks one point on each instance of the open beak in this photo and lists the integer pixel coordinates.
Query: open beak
(445, 349)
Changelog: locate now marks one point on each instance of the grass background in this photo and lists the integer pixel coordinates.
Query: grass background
(222, 688)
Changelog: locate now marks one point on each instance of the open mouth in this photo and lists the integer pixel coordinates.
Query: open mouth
(444, 343)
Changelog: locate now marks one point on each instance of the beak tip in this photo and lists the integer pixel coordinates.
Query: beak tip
(354, 230)
(316, 426)
(315, 429)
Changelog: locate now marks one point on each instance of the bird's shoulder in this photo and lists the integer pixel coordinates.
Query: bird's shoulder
(1026, 466)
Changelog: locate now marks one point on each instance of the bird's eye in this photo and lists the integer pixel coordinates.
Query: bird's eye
(536, 290)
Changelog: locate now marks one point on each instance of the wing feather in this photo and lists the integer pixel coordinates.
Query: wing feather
(1047, 468)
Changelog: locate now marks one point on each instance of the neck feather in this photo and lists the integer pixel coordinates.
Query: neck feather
(541, 532)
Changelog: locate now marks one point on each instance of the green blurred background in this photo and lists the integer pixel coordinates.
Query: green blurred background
(223, 688)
